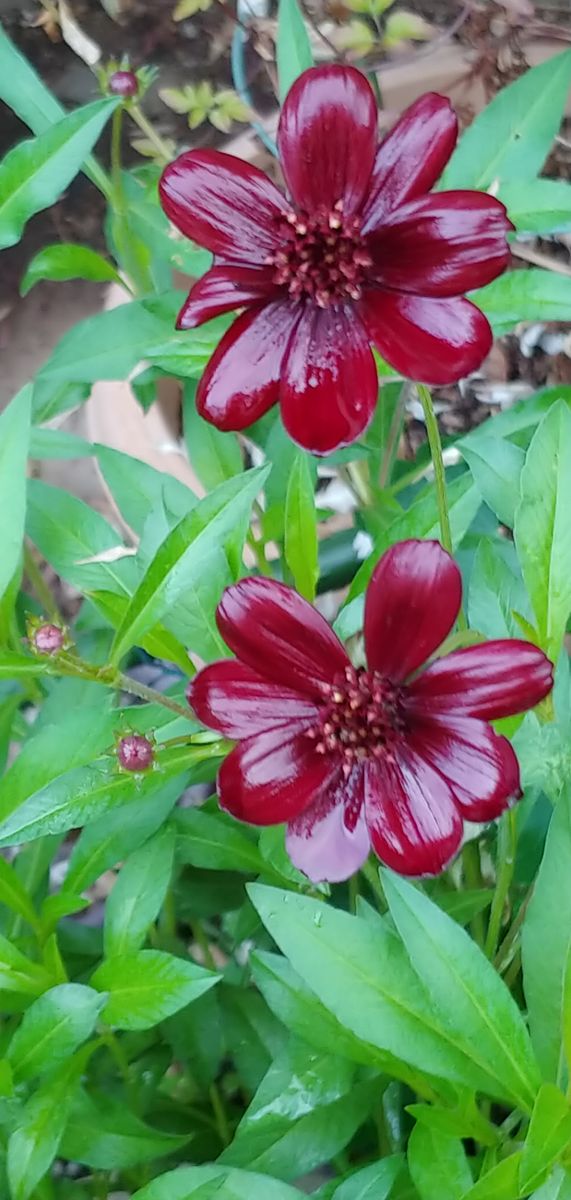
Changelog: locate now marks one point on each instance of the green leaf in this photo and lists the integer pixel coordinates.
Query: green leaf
(361, 973)
(139, 489)
(21, 666)
(548, 1136)
(20, 974)
(138, 894)
(558, 1187)
(69, 533)
(531, 295)
(65, 260)
(58, 443)
(35, 1143)
(215, 841)
(14, 441)
(185, 354)
(542, 206)
(197, 1037)
(35, 173)
(293, 50)
(501, 1183)
(511, 138)
(494, 593)
(253, 1036)
(51, 400)
(186, 1184)
(215, 456)
(114, 836)
(27, 95)
(53, 1028)
(542, 529)
(148, 986)
(438, 1165)
(108, 345)
(468, 993)
(546, 940)
(463, 906)
(300, 543)
(496, 465)
(371, 1183)
(14, 895)
(306, 1109)
(103, 1133)
(179, 562)
(464, 1122)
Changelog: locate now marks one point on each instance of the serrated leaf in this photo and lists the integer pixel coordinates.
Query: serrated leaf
(293, 48)
(35, 173)
(53, 1028)
(146, 987)
(14, 443)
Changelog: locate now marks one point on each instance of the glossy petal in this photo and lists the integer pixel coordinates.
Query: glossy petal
(411, 814)
(242, 378)
(432, 341)
(411, 604)
(442, 245)
(495, 679)
(223, 288)
(327, 136)
(272, 777)
(280, 635)
(223, 203)
(321, 843)
(238, 702)
(329, 388)
(480, 766)
(411, 157)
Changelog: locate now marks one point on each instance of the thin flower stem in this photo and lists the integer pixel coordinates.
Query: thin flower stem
(125, 683)
(161, 147)
(507, 842)
(71, 664)
(435, 444)
(473, 877)
(40, 586)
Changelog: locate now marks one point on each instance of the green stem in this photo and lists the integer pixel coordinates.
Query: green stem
(71, 664)
(473, 877)
(507, 841)
(508, 949)
(40, 586)
(391, 444)
(124, 683)
(435, 444)
(161, 147)
(353, 892)
(219, 1111)
(371, 873)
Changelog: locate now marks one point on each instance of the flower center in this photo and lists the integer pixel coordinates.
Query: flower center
(362, 717)
(322, 256)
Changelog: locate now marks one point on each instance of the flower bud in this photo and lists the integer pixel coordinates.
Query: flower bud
(135, 753)
(123, 83)
(48, 639)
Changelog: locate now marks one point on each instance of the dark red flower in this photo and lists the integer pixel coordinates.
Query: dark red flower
(135, 752)
(353, 756)
(357, 253)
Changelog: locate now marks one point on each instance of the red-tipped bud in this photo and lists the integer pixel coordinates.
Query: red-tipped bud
(48, 639)
(123, 83)
(135, 753)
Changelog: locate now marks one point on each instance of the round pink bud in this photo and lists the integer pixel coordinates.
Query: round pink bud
(135, 753)
(48, 639)
(123, 83)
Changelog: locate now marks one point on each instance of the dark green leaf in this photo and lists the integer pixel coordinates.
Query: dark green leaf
(67, 261)
(196, 1035)
(14, 895)
(35, 1143)
(53, 1028)
(293, 48)
(146, 987)
(104, 1134)
(468, 993)
(542, 528)
(215, 841)
(511, 138)
(14, 442)
(138, 894)
(254, 1037)
(35, 173)
(438, 1165)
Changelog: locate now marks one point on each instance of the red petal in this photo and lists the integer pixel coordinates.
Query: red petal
(321, 843)
(412, 602)
(280, 635)
(238, 702)
(242, 378)
(433, 341)
(222, 289)
(411, 157)
(327, 136)
(412, 818)
(329, 388)
(442, 245)
(272, 777)
(496, 679)
(223, 203)
(480, 766)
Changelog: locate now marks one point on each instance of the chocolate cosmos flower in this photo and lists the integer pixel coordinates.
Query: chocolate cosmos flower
(387, 754)
(357, 253)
